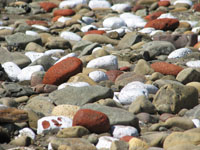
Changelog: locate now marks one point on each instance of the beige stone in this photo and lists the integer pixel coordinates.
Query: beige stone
(34, 47)
(81, 77)
(137, 144)
(194, 84)
(143, 67)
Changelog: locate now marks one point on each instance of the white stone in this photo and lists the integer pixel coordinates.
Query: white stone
(71, 3)
(6, 27)
(146, 30)
(87, 20)
(12, 70)
(156, 32)
(167, 15)
(70, 36)
(88, 27)
(198, 38)
(26, 72)
(34, 55)
(189, 2)
(196, 30)
(98, 76)
(99, 4)
(114, 22)
(63, 19)
(123, 7)
(108, 62)
(55, 124)
(181, 52)
(75, 84)
(96, 49)
(120, 31)
(54, 51)
(40, 27)
(105, 142)
(118, 131)
(2, 107)
(193, 64)
(32, 33)
(66, 56)
(196, 122)
(27, 132)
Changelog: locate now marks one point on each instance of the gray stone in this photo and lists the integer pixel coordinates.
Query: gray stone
(193, 113)
(116, 116)
(80, 95)
(172, 98)
(88, 49)
(141, 12)
(161, 82)
(23, 28)
(143, 67)
(119, 145)
(15, 10)
(57, 43)
(79, 46)
(5, 135)
(21, 39)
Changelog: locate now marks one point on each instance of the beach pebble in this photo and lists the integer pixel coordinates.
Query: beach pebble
(88, 27)
(71, 3)
(167, 15)
(32, 33)
(181, 52)
(63, 19)
(123, 7)
(113, 22)
(146, 30)
(70, 36)
(40, 27)
(99, 4)
(34, 55)
(119, 131)
(193, 64)
(75, 84)
(66, 56)
(105, 142)
(87, 20)
(27, 132)
(98, 76)
(120, 31)
(53, 123)
(189, 2)
(196, 122)
(12, 70)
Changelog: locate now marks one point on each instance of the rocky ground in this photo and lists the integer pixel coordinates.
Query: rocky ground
(100, 74)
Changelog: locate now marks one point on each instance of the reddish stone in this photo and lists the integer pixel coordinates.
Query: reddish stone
(166, 116)
(54, 19)
(196, 7)
(124, 68)
(63, 12)
(94, 121)
(95, 32)
(197, 45)
(48, 6)
(164, 3)
(153, 16)
(137, 7)
(166, 68)
(45, 124)
(39, 22)
(163, 24)
(113, 74)
(62, 71)
(126, 138)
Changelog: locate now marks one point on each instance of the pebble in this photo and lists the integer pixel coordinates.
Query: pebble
(98, 76)
(27, 132)
(71, 3)
(193, 64)
(178, 53)
(113, 23)
(119, 131)
(70, 36)
(99, 4)
(12, 70)
(123, 7)
(75, 84)
(105, 142)
(34, 55)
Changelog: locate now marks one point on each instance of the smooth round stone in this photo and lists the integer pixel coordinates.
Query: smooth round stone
(147, 30)
(6, 27)
(167, 15)
(156, 32)
(119, 131)
(98, 76)
(196, 29)
(189, 2)
(54, 51)
(26, 72)
(114, 22)
(121, 7)
(75, 84)
(196, 122)
(63, 19)
(34, 55)
(88, 27)
(70, 36)
(192, 23)
(99, 4)
(193, 64)
(105, 142)
(67, 56)
(120, 31)
(181, 52)
(12, 70)
(40, 27)
(27, 132)
(87, 20)
(108, 62)
(32, 33)
(71, 3)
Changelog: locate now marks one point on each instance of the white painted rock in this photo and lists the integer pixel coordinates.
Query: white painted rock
(99, 4)
(87, 20)
(167, 15)
(27, 132)
(189, 2)
(32, 33)
(70, 36)
(34, 55)
(193, 64)
(53, 123)
(88, 27)
(98, 76)
(123, 7)
(12, 70)
(26, 72)
(196, 122)
(66, 56)
(96, 49)
(71, 3)
(118, 131)
(120, 31)
(63, 19)
(75, 84)
(105, 142)
(146, 30)
(114, 23)
(108, 62)
(40, 27)
(181, 52)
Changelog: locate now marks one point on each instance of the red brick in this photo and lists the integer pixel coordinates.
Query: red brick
(153, 16)
(113, 74)
(164, 3)
(126, 138)
(95, 32)
(166, 68)
(39, 22)
(94, 121)
(63, 12)
(48, 6)
(196, 7)
(62, 71)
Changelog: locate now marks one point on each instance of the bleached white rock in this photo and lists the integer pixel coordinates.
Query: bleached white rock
(105, 142)
(123, 7)
(114, 22)
(63, 19)
(96, 49)
(70, 36)
(3, 106)
(71, 3)
(108, 62)
(88, 27)
(75, 84)
(87, 20)
(40, 27)
(6, 27)
(196, 122)
(167, 15)
(99, 4)
(26, 72)
(32, 33)
(53, 124)
(66, 56)
(196, 30)
(27, 132)
(155, 32)
(53, 51)
(34, 55)
(147, 30)
(12, 70)
(118, 131)
(181, 52)
(193, 64)
(98, 76)
(189, 2)
(120, 31)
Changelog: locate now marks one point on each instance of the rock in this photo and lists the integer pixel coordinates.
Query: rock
(196, 7)
(48, 6)
(166, 68)
(98, 76)
(88, 49)
(113, 74)
(34, 47)
(193, 64)
(113, 23)
(105, 142)
(92, 120)
(118, 131)
(37, 77)
(136, 143)
(57, 74)
(174, 97)
(118, 145)
(75, 84)
(166, 116)
(34, 55)
(21, 40)
(162, 82)
(70, 36)
(9, 102)
(39, 22)
(146, 118)
(188, 75)
(27, 132)
(21, 141)
(126, 138)
(193, 113)
(53, 124)
(58, 43)
(44, 88)
(63, 12)
(71, 4)
(184, 147)
(80, 45)
(181, 52)
(194, 84)
(143, 67)
(73, 132)
(70, 95)
(99, 4)
(81, 77)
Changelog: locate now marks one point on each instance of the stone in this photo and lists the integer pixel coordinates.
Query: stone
(184, 147)
(118, 131)
(95, 32)
(57, 43)
(162, 82)
(172, 98)
(113, 74)
(71, 4)
(193, 64)
(146, 118)
(181, 52)
(143, 67)
(188, 75)
(44, 88)
(95, 4)
(63, 12)
(21, 141)
(94, 121)
(48, 6)
(37, 77)
(27, 132)
(166, 68)
(58, 74)
(73, 132)
(193, 113)
(136, 143)
(39, 22)
(119, 145)
(105, 142)
(126, 138)
(34, 47)
(80, 45)
(164, 3)
(88, 49)
(196, 7)
(75, 84)
(9, 102)
(81, 77)
(153, 16)
(113, 22)
(194, 84)
(34, 55)
(70, 95)
(70, 36)
(98, 76)
(166, 116)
